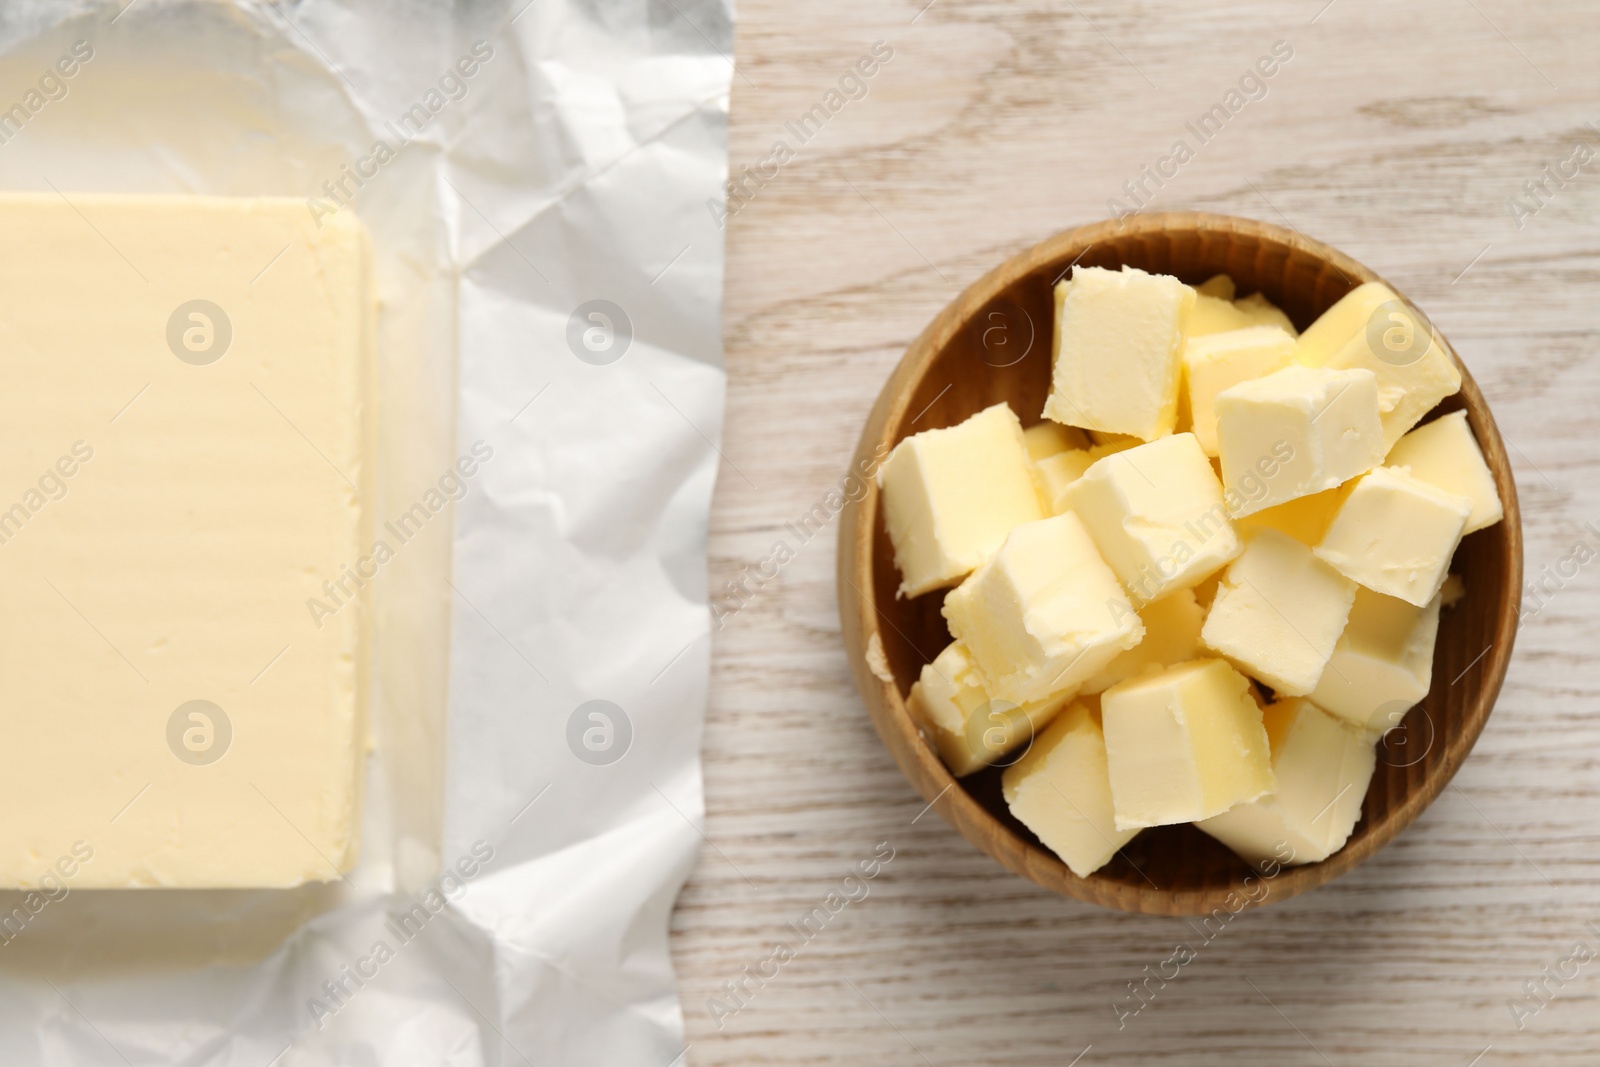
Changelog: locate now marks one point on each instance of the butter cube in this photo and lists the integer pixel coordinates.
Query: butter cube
(1371, 328)
(1055, 473)
(1296, 432)
(1452, 591)
(1044, 614)
(970, 729)
(950, 497)
(1305, 518)
(1118, 336)
(1383, 664)
(1213, 314)
(1060, 790)
(1395, 534)
(1184, 745)
(186, 640)
(1157, 516)
(1323, 767)
(1222, 360)
(1219, 286)
(1279, 613)
(1444, 453)
(1262, 312)
(1171, 635)
(1049, 438)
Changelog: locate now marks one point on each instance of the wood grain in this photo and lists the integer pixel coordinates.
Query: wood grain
(1397, 133)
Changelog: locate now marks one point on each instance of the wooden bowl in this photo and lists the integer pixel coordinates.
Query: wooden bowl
(993, 343)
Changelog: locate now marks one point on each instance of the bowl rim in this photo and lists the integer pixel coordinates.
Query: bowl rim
(860, 615)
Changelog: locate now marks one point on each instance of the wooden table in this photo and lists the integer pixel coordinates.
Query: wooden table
(1398, 133)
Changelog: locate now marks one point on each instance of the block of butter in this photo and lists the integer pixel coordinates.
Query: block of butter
(1262, 312)
(1044, 614)
(1279, 612)
(1060, 790)
(1118, 340)
(1296, 432)
(1305, 518)
(1156, 514)
(1214, 314)
(1171, 636)
(1444, 453)
(1373, 329)
(1395, 534)
(1323, 766)
(970, 729)
(1383, 664)
(950, 496)
(1221, 360)
(1184, 744)
(1049, 438)
(1054, 474)
(186, 547)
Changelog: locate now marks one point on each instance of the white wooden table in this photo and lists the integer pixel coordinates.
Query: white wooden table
(1398, 133)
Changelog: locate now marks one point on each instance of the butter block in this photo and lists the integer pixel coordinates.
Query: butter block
(1221, 360)
(1395, 534)
(1171, 636)
(1044, 614)
(1055, 473)
(1278, 613)
(1118, 337)
(1323, 767)
(1049, 438)
(1296, 432)
(1453, 590)
(1444, 453)
(1061, 791)
(1371, 328)
(1219, 286)
(969, 728)
(1184, 745)
(1262, 312)
(1214, 314)
(1305, 518)
(950, 497)
(189, 407)
(1157, 516)
(1383, 664)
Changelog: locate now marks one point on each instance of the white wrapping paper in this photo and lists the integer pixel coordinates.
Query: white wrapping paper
(550, 280)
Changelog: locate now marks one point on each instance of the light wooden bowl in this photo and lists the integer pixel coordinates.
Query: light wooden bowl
(993, 343)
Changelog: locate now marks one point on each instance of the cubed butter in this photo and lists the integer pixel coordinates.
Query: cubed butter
(1444, 453)
(1171, 636)
(951, 496)
(1279, 612)
(1383, 664)
(1296, 432)
(1214, 314)
(1262, 312)
(970, 729)
(1156, 513)
(1118, 339)
(1048, 438)
(1395, 534)
(1371, 328)
(1055, 473)
(185, 641)
(1044, 614)
(1184, 745)
(1060, 791)
(1305, 518)
(1452, 591)
(1218, 286)
(1221, 360)
(1322, 766)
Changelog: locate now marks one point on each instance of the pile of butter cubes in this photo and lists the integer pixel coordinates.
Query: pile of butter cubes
(1214, 507)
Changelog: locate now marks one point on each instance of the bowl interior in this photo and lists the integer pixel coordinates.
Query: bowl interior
(995, 343)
